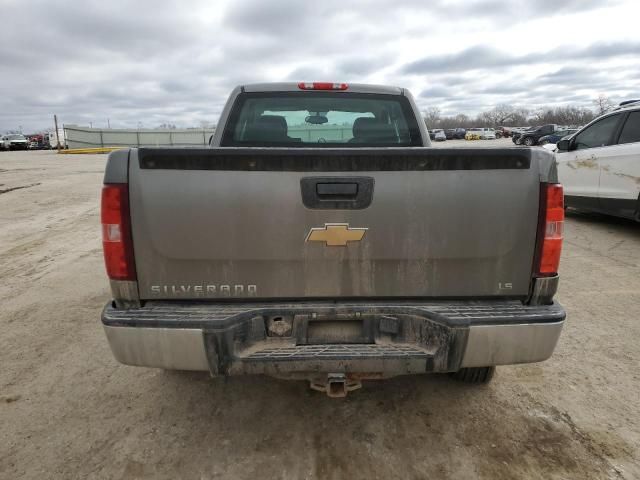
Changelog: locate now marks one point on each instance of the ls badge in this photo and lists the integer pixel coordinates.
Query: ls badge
(335, 234)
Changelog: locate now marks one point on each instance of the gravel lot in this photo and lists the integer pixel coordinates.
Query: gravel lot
(68, 410)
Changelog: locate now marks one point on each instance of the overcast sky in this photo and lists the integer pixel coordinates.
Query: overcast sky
(157, 61)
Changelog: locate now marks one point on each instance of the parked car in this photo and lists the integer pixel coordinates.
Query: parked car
(504, 131)
(600, 164)
(489, 134)
(359, 282)
(473, 134)
(531, 137)
(439, 135)
(556, 136)
(515, 137)
(480, 134)
(516, 133)
(455, 133)
(14, 141)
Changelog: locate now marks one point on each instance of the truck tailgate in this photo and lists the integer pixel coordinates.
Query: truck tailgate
(411, 222)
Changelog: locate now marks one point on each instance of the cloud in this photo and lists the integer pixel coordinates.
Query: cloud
(481, 57)
(472, 58)
(437, 91)
(274, 18)
(159, 61)
(523, 9)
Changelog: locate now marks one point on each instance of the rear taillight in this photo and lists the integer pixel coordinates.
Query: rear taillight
(551, 229)
(322, 86)
(116, 232)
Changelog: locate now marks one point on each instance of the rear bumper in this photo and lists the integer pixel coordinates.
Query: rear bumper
(377, 339)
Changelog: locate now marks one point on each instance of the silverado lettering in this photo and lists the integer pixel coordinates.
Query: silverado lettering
(206, 289)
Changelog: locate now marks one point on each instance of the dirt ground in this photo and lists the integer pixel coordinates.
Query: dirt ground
(68, 410)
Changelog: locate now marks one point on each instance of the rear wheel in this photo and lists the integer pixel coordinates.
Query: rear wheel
(529, 142)
(475, 375)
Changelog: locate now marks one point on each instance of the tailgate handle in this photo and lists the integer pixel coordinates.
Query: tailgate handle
(337, 189)
(337, 193)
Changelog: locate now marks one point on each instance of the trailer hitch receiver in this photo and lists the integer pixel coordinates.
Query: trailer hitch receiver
(335, 385)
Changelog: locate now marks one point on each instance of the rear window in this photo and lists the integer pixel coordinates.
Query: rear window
(321, 119)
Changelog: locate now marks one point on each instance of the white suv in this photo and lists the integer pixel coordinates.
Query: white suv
(482, 133)
(600, 164)
(488, 134)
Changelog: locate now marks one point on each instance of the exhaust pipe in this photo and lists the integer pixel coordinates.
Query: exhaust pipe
(336, 385)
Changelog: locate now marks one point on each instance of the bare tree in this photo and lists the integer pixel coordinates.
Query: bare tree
(520, 117)
(542, 115)
(499, 115)
(462, 120)
(432, 117)
(567, 115)
(603, 104)
(507, 115)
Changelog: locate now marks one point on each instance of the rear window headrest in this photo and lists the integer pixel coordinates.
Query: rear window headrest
(372, 129)
(275, 121)
(267, 127)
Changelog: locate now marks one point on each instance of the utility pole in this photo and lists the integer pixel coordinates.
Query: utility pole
(55, 121)
(108, 124)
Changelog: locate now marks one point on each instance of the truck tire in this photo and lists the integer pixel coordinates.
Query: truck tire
(529, 141)
(475, 375)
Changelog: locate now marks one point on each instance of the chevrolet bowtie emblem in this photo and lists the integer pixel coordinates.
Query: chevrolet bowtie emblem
(336, 234)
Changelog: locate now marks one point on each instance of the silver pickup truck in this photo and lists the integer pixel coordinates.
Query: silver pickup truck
(320, 238)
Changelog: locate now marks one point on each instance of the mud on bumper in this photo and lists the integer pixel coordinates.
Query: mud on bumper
(383, 339)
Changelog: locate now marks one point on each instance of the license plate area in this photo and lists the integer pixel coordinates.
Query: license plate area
(333, 329)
